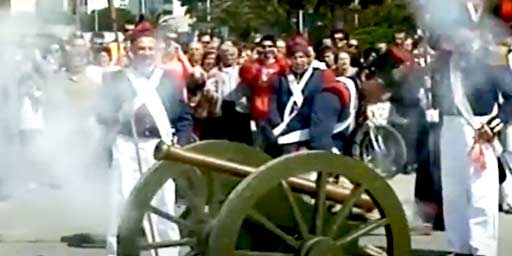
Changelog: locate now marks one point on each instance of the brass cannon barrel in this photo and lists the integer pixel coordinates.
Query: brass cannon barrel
(334, 193)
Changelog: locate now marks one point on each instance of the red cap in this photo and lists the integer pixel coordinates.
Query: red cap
(143, 29)
(297, 43)
(506, 10)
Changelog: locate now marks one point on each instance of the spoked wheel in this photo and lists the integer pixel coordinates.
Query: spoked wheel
(382, 148)
(200, 193)
(315, 230)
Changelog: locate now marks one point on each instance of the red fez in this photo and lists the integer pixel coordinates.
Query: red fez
(143, 29)
(297, 43)
(506, 10)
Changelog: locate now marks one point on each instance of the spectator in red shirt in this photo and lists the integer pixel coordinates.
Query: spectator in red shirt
(257, 75)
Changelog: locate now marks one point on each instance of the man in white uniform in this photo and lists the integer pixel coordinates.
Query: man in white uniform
(471, 120)
(142, 105)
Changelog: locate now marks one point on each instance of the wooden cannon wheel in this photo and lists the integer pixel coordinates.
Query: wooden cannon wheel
(202, 193)
(321, 232)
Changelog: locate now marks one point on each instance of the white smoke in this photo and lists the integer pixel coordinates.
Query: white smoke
(448, 18)
(56, 185)
(450, 28)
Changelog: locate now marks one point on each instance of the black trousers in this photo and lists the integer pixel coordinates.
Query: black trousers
(236, 126)
(413, 131)
(209, 128)
(502, 172)
(428, 189)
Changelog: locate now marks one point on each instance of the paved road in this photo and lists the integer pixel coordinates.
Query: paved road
(32, 222)
(437, 244)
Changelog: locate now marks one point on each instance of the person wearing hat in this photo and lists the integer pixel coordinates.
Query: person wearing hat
(141, 105)
(308, 107)
(467, 89)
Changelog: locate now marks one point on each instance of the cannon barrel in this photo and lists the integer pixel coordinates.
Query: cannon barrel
(334, 193)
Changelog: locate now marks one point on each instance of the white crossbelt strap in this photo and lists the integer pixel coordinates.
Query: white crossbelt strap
(351, 86)
(296, 100)
(475, 12)
(509, 59)
(303, 135)
(147, 95)
(462, 104)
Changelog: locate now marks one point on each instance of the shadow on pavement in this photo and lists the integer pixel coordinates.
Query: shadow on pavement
(430, 253)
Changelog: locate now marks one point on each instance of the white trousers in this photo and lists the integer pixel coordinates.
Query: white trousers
(128, 173)
(507, 185)
(470, 195)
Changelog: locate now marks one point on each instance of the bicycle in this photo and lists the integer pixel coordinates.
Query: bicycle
(378, 144)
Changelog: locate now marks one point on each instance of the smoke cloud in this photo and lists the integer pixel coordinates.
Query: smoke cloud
(451, 27)
(53, 181)
(448, 18)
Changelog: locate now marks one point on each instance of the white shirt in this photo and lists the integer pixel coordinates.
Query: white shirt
(229, 87)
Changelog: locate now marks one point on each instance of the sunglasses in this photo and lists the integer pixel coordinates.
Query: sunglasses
(266, 46)
(353, 45)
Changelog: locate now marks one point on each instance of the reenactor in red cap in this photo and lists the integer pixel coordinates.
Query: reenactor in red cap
(467, 91)
(142, 106)
(308, 108)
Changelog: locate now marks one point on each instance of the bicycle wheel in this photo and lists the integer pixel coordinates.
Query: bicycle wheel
(382, 148)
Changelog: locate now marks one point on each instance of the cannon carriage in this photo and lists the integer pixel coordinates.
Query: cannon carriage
(239, 201)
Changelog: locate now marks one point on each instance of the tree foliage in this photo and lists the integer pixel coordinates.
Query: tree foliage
(379, 19)
(243, 17)
(379, 23)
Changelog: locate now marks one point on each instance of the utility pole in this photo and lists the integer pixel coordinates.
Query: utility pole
(300, 20)
(96, 21)
(356, 8)
(113, 16)
(78, 9)
(208, 10)
(142, 5)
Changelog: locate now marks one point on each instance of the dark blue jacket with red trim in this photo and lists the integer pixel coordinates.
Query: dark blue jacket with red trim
(117, 91)
(325, 104)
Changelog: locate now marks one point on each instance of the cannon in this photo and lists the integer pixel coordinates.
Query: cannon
(238, 201)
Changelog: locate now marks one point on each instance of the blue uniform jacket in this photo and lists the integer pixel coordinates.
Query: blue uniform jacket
(482, 83)
(324, 105)
(117, 90)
